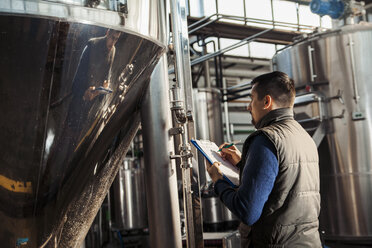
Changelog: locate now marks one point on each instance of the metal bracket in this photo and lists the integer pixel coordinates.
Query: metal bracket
(171, 156)
(186, 165)
(175, 131)
(319, 134)
(340, 116)
(338, 96)
(183, 157)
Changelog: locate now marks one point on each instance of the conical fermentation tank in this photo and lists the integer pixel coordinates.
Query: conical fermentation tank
(71, 78)
(335, 67)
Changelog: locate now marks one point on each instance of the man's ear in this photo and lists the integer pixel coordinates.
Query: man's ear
(268, 102)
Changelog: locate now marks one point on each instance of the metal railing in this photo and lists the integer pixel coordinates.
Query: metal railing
(243, 20)
(273, 23)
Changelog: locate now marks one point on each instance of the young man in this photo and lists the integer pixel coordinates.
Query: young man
(95, 65)
(278, 200)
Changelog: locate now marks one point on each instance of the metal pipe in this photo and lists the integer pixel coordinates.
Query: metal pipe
(237, 97)
(181, 47)
(272, 13)
(221, 51)
(220, 76)
(226, 111)
(245, 12)
(192, 208)
(310, 50)
(229, 48)
(247, 86)
(207, 77)
(200, 21)
(352, 59)
(205, 24)
(160, 173)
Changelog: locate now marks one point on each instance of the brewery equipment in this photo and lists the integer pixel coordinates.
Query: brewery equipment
(58, 159)
(332, 70)
(129, 196)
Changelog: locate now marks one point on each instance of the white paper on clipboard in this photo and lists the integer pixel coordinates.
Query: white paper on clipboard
(210, 151)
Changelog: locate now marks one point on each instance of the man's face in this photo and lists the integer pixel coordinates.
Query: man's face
(256, 107)
(112, 38)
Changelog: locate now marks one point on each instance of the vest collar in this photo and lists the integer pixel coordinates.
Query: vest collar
(275, 116)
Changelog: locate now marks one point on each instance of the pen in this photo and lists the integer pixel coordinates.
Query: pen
(229, 145)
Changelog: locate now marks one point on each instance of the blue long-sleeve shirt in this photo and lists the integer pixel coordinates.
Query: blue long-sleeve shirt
(258, 177)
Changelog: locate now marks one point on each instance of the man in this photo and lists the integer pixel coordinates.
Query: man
(278, 199)
(94, 70)
(95, 64)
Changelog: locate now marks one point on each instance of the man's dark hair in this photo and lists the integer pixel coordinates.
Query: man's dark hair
(278, 85)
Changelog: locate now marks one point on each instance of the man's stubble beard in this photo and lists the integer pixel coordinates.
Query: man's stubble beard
(253, 121)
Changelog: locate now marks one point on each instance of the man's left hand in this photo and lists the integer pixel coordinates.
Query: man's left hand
(214, 171)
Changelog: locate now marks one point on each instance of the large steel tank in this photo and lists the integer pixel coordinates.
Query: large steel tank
(208, 114)
(57, 154)
(130, 196)
(208, 121)
(208, 125)
(336, 66)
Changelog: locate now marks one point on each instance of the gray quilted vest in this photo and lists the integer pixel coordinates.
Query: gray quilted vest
(290, 215)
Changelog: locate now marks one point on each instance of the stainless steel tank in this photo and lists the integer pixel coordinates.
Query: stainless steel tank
(208, 121)
(213, 214)
(230, 220)
(57, 154)
(208, 126)
(337, 64)
(130, 196)
(208, 114)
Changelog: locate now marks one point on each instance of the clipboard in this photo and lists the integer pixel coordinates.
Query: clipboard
(209, 150)
(103, 90)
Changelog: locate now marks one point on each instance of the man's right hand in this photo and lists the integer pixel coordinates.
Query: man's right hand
(90, 94)
(232, 154)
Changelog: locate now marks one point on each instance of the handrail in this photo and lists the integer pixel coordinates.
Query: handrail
(200, 21)
(247, 20)
(226, 49)
(229, 48)
(205, 24)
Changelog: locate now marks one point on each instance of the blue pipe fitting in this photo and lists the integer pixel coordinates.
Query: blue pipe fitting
(333, 8)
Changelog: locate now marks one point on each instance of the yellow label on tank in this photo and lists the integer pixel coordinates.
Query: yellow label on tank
(15, 186)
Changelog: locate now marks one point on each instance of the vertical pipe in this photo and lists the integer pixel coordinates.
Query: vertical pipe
(272, 13)
(160, 173)
(219, 83)
(226, 111)
(190, 177)
(298, 16)
(207, 77)
(181, 47)
(353, 74)
(310, 51)
(245, 12)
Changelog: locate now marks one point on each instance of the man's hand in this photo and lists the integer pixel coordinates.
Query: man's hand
(232, 154)
(105, 84)
(90, 94)
(214, 171)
